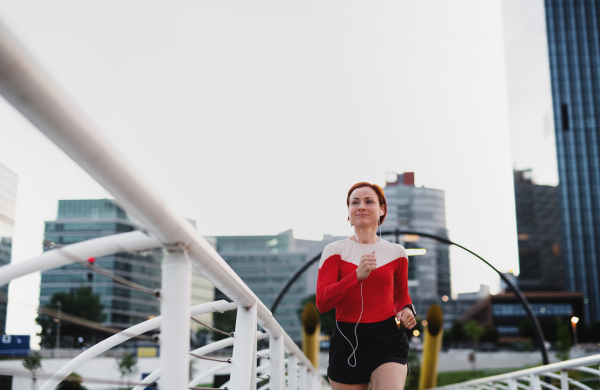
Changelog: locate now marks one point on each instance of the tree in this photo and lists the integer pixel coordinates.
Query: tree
(225, 322)
(72, 382)
(81, 302)
(563, 340)
(473, 332)
(34, 364)
(490, 335)
(127, 365)
(456, 334)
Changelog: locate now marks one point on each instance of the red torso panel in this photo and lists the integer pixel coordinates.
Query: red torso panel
(384, 292)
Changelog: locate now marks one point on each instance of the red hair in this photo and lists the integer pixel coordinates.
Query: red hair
(378, 191)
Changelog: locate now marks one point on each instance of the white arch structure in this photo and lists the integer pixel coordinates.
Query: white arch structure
(25, 84)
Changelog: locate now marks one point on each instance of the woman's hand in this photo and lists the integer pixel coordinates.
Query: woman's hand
(406, 318)
(367, 264)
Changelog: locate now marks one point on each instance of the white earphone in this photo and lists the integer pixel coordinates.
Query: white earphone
(362, 302)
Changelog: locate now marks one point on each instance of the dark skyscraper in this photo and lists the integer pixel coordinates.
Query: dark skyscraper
(538, 228)
(574, 50)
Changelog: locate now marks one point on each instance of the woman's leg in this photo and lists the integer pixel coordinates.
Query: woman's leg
(342, 386)
(389, 376)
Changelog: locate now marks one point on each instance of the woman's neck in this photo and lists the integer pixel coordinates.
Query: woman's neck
(366, 235)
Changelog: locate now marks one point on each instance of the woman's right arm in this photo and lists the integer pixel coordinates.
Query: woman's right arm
(331, 290)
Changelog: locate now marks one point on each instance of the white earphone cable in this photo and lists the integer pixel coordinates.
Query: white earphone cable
(361, 303)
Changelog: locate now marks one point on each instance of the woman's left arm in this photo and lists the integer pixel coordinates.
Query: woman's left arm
(402, 302)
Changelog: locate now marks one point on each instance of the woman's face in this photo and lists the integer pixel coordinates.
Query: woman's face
(364, 209)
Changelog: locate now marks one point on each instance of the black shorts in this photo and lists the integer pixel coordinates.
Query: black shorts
(378, 343)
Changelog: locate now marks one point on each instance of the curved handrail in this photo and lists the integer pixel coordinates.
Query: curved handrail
(546, 370)
(123, 242)
(105, 345)
(206, 374)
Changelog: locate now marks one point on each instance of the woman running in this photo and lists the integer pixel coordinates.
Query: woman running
(365, 279)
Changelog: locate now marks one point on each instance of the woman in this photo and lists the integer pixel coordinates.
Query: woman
(365, 279)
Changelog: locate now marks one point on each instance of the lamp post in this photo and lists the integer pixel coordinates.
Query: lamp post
(574, 321)
(58, 303)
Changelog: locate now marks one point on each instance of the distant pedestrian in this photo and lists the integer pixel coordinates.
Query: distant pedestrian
(365, 278)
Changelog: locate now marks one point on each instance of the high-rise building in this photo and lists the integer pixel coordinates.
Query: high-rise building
(539, 234)
(574, 53)
(8, 200)
(266, 262)
(80, 220)
(424, 210)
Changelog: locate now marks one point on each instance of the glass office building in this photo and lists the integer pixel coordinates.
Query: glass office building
(8, 200)
(420, 209)
(574, 50)
(80, 220)
(265, 263)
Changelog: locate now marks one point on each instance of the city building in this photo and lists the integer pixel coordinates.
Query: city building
(505, 313)
(420, 209)
(539, 234)
(453, 309)
(573, 42)
(266, 262)
(8, 200)
(80, 220)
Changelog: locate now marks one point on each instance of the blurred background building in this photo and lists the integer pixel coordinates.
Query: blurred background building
(539, 234)
(573, 48)
(265, 263)
(505, 313)
(8, 200)
(424, 210)
(80, 220)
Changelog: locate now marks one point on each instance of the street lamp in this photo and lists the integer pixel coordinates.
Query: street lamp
(574, 321)
(58, 303)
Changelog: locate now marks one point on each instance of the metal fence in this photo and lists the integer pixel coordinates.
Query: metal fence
(31, 91)
(555, 376)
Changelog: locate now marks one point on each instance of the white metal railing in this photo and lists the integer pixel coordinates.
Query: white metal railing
(31, 91)
(533, 378)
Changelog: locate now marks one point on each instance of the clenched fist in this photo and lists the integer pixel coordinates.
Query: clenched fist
(406, 318)
(367, 264)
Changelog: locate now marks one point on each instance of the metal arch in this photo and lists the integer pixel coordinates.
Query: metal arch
(397, 232)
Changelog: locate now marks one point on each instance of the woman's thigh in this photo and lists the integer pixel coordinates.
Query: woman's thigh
(342, 386)
(389, 376)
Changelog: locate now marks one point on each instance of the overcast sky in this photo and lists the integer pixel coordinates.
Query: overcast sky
(256, 117)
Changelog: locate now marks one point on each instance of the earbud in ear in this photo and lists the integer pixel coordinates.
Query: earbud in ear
(381, 214)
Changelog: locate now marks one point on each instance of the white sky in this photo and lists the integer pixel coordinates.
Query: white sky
(256, 117)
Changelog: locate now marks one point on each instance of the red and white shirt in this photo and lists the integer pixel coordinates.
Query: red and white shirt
(385, 290)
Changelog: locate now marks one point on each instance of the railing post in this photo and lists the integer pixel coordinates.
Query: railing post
(564, 379)
(175, 328)
(243, 361)
(292, 372)
(277, 363)
(316, 380)
(512, 384)
(534, 383)
(303, 377)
